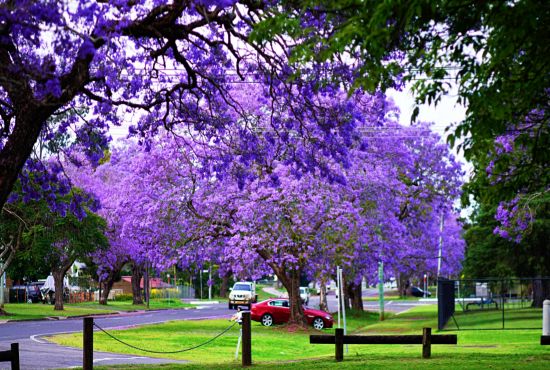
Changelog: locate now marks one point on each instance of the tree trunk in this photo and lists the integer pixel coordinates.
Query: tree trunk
(291, 282)
(224, 288)
(541, 291)
(137, 275)
(17, 150)
(323, 304)
(403, 285)
(58, 282)
(345, 298)
(356, 296)
(106, 285)
(292, 285)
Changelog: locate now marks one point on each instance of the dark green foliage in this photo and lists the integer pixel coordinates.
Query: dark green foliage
(40, 230)
(489, 255)
(496, 51)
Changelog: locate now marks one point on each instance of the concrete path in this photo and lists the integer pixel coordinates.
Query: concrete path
(275, 292)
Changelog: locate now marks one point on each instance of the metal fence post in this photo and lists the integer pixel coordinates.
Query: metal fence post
(15, 356)
(88, 344)
(339, 344)
(502, 301)
(545, 338)
(247, 340)
(426, 342)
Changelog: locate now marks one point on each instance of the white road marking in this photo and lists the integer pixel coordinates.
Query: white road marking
(35, 337)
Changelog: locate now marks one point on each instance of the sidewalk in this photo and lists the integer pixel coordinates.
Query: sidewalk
(275, 292)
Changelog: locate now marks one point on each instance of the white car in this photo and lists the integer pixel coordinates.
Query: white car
(242, 293)
(304, 295)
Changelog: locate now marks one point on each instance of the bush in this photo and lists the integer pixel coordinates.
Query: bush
(124, 297)
(164, 293)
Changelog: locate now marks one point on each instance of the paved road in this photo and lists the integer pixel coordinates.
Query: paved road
(389, 305)
(38, 353)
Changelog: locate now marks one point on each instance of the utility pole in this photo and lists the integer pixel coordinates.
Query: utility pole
(381, 289)
(200, 281)
(341, 296)
(439, 253)
(210, 282)
(146, 283)
(338, 293)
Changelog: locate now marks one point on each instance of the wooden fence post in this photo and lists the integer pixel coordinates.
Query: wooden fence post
(88, 344)
(247, 340)
(14, 355)
(339, 344)
(426, 342)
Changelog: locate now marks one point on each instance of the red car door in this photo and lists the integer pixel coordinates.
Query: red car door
(280, 310)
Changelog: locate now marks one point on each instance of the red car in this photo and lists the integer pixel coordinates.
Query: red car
(277, 311)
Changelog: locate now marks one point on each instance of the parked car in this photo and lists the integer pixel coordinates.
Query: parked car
(417, 292)
(277, 311)
(304, 295)
(29, 293)
(242, 293)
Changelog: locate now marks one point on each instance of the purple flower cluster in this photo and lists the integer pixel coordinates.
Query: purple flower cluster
(255, 201)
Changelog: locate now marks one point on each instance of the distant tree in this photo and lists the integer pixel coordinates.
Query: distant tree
(54, 242)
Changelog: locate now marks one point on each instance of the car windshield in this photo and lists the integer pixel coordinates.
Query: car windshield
(242, 287)
(303, 290)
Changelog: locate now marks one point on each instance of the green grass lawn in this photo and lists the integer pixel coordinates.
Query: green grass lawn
(493, 318)
(30, 311)
(279, 346)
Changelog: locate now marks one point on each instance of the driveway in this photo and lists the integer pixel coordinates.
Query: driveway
(37, 353)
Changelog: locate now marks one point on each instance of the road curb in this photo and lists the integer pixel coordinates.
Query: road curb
(121, 313)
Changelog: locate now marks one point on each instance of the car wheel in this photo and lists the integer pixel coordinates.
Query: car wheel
(318, 323)
(230, 306)
(267, 320)
(29, 300)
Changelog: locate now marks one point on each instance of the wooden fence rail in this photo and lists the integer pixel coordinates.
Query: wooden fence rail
(426, 339)
(11, 355)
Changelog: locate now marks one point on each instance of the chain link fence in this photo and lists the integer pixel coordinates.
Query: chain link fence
(510, 303)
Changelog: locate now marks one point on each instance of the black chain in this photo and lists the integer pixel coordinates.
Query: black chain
(167, 352)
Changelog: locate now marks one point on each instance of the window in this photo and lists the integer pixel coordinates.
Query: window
(279, 303)
(244, 287)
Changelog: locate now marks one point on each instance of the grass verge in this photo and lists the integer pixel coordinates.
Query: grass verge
(276, 347)
(34, 311)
